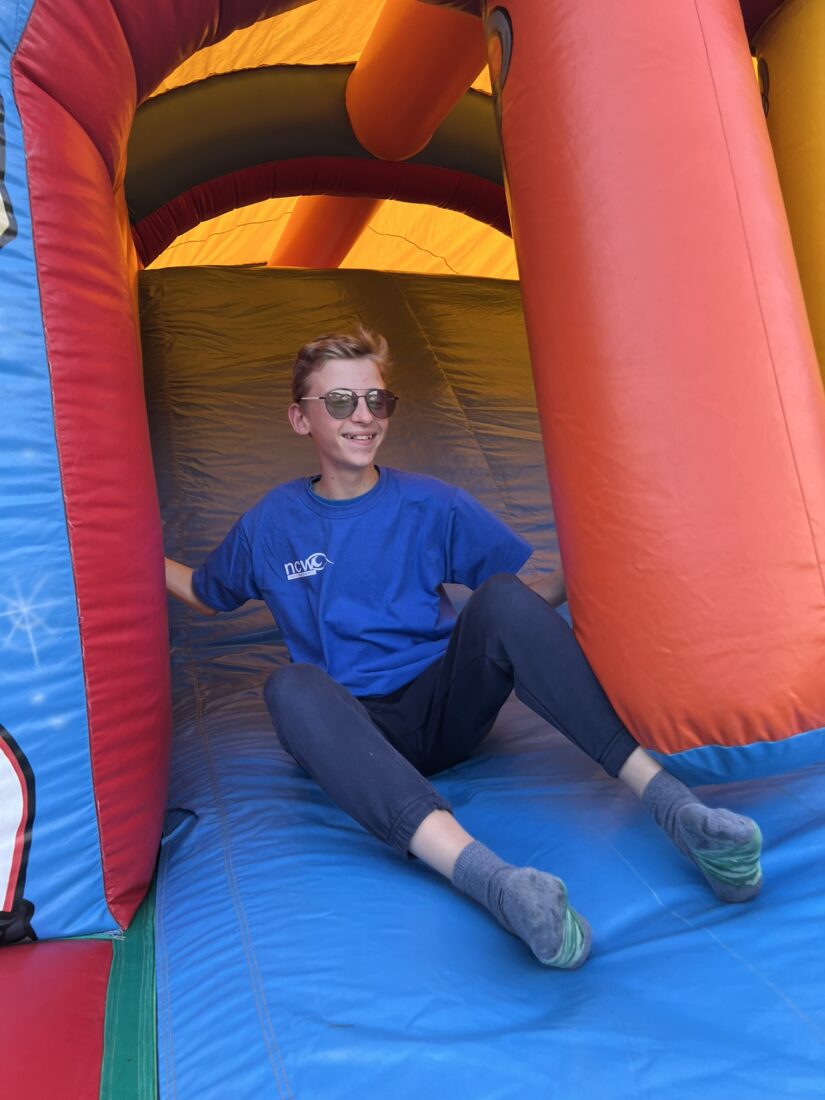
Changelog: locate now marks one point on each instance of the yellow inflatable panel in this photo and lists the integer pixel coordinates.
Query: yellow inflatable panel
(402, 236)
(791, 51)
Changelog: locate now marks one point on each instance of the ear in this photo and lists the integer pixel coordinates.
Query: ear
(298, 420)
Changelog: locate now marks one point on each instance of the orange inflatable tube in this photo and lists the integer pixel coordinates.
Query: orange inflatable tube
(682, 409)
(417, 64)
(419, 61)
(321, 230)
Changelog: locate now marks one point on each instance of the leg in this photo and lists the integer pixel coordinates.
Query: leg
(376, 784)
(508, 637)
(438, 841)
(638, 771)
(454, 704)
(331, 735)
(508, 634)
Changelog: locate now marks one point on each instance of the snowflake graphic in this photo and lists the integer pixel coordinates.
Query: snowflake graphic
(24, 618)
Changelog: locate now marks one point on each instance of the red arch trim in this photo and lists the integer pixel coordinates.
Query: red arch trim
(351, 177)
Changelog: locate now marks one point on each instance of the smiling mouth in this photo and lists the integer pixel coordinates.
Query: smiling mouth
(361, 437)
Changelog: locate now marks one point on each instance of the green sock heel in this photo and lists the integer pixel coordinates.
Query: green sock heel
(575, 943)
(737, 867)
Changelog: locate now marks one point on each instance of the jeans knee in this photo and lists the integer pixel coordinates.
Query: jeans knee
(289, 687)
(499, 592)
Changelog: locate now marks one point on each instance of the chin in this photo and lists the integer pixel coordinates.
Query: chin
(360, 459)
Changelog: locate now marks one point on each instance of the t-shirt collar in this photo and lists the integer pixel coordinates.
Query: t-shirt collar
(350, 507)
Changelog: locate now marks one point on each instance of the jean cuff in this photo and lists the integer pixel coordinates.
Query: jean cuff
(411, 816)
(619, 748)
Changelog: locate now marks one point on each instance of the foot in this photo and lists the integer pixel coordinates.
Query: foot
(534, 907)
(724, 846)
(530, 904)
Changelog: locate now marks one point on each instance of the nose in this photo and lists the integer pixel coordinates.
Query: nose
(361, 413)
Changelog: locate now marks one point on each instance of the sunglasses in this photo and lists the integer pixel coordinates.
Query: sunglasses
(342, 403)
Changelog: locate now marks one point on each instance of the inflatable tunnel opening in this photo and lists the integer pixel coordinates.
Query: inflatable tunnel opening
(643, 401)
(278, 866)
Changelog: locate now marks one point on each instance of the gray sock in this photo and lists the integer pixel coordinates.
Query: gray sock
(529, 903)
(724, 846)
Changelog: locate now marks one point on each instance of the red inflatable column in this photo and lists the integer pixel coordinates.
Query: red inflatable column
(682, 410)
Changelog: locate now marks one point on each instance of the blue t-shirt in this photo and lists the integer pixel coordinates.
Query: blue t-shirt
(355, 585)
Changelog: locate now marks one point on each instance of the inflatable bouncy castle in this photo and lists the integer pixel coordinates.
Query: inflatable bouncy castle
(593, 235)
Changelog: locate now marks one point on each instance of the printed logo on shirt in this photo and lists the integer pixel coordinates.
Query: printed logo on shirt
(315, 563)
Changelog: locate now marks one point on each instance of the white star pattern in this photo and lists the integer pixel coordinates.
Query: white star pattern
(24, 618)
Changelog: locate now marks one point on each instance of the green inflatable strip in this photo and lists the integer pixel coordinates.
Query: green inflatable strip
(129, 1070)
(237, 120)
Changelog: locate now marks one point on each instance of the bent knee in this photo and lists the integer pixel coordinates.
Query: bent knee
(290, 685)
(500, 590)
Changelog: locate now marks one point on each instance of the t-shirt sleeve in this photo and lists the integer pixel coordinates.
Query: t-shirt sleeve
(479, 544)
(226, 579)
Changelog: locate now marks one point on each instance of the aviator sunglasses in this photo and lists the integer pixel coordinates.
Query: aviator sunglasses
(342, 403)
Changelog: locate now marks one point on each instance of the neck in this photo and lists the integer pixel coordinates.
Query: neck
(344, 485)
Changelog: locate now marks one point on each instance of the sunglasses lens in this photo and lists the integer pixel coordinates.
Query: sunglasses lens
(340, 403)
(381, 403)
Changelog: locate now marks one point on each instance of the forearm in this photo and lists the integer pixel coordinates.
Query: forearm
(179, 585)
(550, 587)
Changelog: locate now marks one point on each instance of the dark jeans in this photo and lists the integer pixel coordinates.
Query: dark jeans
(371, 754)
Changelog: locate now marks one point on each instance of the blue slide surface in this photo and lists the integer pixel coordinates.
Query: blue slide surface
(296, 957)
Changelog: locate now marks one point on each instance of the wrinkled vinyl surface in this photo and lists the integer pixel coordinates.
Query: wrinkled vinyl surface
(298, 958)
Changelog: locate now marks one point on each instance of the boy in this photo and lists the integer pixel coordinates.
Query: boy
(388, 686)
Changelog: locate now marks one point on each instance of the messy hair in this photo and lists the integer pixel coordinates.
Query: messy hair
(363, 344)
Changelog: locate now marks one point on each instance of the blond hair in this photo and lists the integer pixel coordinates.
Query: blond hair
(312, 356)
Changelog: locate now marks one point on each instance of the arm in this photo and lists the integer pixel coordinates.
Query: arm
(550, 587)
(179, 585)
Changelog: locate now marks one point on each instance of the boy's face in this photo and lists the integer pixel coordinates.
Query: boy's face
(349, 444)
